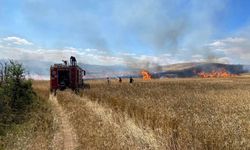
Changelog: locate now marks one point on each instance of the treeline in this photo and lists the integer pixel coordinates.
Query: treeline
(16, 95)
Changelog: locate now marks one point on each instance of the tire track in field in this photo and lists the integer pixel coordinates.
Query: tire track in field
(126, 129)
(66, 131)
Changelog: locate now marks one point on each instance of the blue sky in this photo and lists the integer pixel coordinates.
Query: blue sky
(126, 32)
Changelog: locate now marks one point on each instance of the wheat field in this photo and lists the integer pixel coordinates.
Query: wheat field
(160, 114)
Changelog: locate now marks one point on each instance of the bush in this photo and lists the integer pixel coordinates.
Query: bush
(16, 95)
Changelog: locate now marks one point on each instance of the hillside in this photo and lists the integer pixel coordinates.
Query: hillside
(180, 66)
(192, 69)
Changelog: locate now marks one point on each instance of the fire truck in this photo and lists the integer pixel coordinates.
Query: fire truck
(63, 76)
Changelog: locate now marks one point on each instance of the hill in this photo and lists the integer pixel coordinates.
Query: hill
(191, 69)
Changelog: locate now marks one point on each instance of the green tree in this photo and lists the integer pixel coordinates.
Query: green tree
(16, 94)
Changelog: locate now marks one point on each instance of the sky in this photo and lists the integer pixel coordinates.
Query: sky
(125, 32)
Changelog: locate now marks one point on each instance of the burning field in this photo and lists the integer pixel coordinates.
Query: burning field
(222, 73)
(202, 70)
(161, 114)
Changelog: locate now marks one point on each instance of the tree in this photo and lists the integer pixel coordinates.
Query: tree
(16, 93)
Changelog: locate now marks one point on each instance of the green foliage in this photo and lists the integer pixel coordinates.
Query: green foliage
(38, 129)
(16, 96)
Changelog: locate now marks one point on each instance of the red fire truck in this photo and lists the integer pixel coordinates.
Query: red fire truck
(64, 76)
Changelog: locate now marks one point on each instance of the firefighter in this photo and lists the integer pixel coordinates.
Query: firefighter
(120, 80)
(65, 62)
(108, 80)
(131, 80)
(72, 60)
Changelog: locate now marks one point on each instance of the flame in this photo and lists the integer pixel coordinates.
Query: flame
(216, 74)
(146, 75)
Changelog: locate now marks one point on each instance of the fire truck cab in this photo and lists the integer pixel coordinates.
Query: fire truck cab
(64, 76)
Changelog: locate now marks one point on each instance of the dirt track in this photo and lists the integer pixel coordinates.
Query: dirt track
(120, 127)
(66, 134)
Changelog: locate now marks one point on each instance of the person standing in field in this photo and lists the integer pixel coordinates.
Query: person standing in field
(108, 80)
(120, 80)
(131, 80)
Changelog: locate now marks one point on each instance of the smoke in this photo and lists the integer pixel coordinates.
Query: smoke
(144, 64)
(235, 48)
(170, 26)
(156, 23)
(216, 59)
(150, 63)
(163, 26)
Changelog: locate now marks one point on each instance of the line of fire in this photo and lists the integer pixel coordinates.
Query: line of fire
(206, 70)
(220, 73)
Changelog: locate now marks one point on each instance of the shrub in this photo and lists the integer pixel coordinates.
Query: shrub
(16, 95)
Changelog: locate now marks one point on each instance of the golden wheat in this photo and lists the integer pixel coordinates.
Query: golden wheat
(170, 114)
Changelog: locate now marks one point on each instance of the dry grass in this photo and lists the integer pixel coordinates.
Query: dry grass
(41, 88)
(170, 114)
(191, 113)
